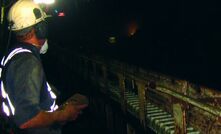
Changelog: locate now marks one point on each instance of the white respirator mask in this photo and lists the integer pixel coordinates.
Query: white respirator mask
(44, 47)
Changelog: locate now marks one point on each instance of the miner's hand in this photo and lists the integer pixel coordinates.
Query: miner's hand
(72, 111)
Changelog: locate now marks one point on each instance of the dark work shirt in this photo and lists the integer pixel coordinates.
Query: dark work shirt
(25, 84)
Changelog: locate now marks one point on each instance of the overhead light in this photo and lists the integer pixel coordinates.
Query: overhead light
(44, 1)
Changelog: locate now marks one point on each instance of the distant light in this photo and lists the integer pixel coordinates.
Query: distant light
(44, 1)
(56, 11)
(61, 14)
(132, 28)
(132, 33)
(112, 40)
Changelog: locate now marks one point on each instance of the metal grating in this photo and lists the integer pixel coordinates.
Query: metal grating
(159, 120)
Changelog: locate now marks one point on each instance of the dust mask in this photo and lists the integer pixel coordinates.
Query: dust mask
(44, 47)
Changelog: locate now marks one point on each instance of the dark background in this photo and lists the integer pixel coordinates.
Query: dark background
(180, 38)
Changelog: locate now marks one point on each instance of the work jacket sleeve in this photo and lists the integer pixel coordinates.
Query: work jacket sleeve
(24, 81)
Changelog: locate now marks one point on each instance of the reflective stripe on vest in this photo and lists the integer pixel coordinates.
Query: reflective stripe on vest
(53, 107)
(7, 105)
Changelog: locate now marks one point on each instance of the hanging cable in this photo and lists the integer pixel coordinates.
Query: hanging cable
(2, 13)
(3, 7)
(2, 3)
(9, 37)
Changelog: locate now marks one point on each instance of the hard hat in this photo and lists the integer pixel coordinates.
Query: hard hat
(25, 13)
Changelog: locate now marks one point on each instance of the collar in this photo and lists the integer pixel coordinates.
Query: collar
(28, 46)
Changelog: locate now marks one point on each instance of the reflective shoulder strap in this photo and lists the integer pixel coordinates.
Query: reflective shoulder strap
(13, 53)
(7, 104)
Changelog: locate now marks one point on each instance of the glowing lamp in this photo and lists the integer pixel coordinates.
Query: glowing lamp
(44, 1)
(61, 14)
(132, 28)
(112, 40)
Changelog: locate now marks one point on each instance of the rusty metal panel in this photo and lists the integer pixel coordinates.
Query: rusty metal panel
(179, 114)
(142, 102)
(197, 118)
(122, 92)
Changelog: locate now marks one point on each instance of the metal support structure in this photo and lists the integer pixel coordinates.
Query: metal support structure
(179, 114)
(104, 72)
(2, 2)
(2, 16)
(213, 110)
(122, 91)
(142, 103)
(159, 115)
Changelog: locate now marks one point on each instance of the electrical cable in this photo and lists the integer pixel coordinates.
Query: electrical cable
(3, 7)
(9, 38)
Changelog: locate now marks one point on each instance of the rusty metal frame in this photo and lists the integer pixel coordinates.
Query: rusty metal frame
(211, 109)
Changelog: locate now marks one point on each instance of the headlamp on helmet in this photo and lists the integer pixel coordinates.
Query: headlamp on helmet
(24, 14)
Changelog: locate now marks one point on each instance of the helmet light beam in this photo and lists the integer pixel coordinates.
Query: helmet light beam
(44, 1)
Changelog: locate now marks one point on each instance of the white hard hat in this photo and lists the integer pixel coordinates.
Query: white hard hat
(25, 13)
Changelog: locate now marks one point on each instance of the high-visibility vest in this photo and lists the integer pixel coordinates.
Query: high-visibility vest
(7, 106)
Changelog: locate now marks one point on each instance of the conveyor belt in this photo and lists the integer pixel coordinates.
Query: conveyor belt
(158, 120)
